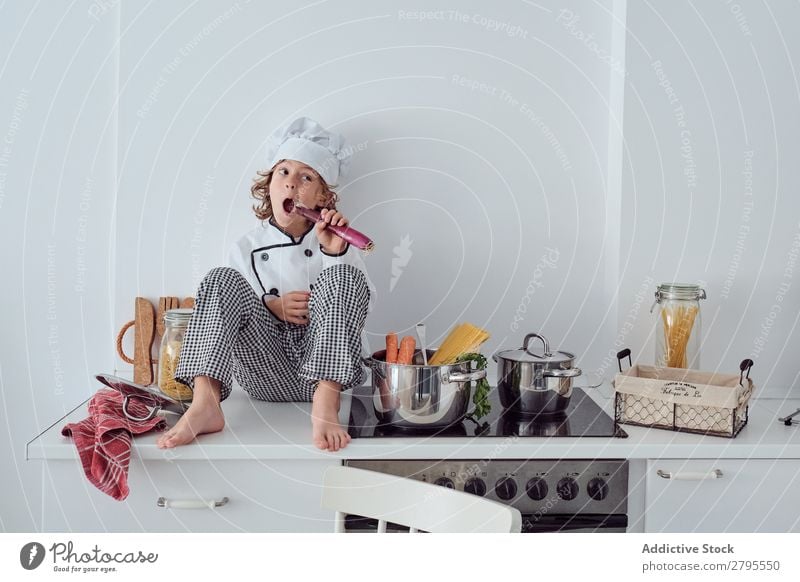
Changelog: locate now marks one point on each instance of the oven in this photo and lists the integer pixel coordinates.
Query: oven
(553, 495)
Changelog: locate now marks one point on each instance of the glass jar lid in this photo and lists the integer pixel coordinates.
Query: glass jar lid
(680, 291)
(178, 316)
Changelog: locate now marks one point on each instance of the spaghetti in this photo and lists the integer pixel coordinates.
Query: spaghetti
(678, 322)
(463, 339)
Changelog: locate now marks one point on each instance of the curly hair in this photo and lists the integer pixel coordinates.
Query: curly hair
(260, 191)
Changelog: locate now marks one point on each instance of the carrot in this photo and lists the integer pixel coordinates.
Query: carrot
(391, 348)
(406, 353)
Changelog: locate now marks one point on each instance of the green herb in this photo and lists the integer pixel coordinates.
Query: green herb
(481, 396)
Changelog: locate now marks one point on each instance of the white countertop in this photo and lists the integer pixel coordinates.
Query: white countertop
(266, 430)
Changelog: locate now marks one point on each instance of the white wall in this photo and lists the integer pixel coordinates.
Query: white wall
(96, 210)
(480, 181)
(710, 177)
(58, 136)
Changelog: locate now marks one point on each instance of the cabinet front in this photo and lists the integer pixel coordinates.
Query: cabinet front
(192, 496)
(732, 495)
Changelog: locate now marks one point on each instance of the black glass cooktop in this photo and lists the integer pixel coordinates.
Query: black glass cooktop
(582, 418)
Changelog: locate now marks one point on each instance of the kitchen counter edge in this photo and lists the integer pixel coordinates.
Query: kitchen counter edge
(265, 431)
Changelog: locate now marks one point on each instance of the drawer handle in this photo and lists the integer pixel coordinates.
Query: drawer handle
(190, 503)
(715, 474)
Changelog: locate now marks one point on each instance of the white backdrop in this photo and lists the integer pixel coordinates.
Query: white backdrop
(710, 176)
(476, 153)
(521, 166)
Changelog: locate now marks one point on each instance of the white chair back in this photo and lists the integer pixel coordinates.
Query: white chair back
(414, 504)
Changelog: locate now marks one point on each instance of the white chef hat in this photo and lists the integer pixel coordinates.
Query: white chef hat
(304, 140)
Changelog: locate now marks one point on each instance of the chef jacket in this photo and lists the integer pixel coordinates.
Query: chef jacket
(274, 262)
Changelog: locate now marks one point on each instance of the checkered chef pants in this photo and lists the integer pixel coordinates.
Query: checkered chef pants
(232, 333)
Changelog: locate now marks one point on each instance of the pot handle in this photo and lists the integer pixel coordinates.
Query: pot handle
(130, 416)
(568, 373)
(371, 363)
(450, 377)
(530, 336)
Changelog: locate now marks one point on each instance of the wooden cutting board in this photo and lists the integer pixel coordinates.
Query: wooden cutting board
(144, 333)
(148, 325)
(164, 305)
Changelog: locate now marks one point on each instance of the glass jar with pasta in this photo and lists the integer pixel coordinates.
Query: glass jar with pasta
(175, 323)
(679, 325)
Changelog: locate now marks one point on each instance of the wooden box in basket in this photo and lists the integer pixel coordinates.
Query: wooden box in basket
(683, 400)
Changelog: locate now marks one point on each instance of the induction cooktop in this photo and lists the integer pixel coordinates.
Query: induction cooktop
(583, 417)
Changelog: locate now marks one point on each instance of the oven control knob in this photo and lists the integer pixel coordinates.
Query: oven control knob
(475, 486)
(567, 489)
(445, 482)
(536, 488)
(506, 488)
(597, 489)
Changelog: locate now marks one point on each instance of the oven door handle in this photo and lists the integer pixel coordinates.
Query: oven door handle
(564, 523)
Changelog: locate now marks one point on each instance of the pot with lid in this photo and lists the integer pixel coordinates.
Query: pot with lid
(531, 382)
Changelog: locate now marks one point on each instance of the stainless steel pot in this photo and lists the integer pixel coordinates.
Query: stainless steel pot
(418, 396)
(529, 383)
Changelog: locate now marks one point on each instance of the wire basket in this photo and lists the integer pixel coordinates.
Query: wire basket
(683, 400)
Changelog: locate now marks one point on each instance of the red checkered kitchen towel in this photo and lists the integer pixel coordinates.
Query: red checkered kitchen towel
(104, 440)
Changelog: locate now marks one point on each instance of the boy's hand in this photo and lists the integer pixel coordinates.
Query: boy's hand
(291, 307)
(332, 244)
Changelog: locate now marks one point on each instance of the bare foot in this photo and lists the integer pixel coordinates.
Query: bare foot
(204, 416)
(326, 431)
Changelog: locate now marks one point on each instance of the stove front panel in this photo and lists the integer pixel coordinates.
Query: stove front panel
(537, 488)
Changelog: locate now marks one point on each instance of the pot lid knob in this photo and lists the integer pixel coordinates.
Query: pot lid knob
(527, 340)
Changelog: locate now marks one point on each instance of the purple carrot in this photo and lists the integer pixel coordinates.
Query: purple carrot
(351, 235)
